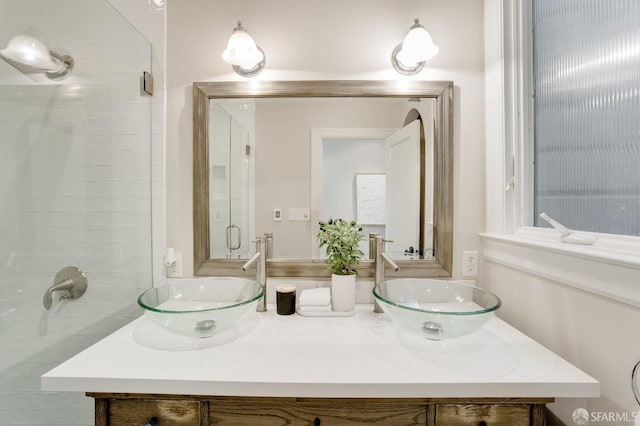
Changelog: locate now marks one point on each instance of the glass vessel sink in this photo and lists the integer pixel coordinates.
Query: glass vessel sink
(201, 307)
(435, 309)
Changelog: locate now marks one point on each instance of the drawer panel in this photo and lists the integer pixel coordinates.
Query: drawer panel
(136, 412)
(483, 415)
(326, 413)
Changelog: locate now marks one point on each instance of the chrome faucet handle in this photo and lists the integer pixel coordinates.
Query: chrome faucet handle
(47, 299)
(382, 241)
(71, 280)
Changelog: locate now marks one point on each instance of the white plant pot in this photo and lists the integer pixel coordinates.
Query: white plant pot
(343, 292)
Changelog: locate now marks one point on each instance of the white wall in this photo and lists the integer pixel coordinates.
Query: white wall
(597, 335)
(342, 160)
(333, 39)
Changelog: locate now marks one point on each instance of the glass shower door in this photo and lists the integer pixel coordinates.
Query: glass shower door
(75, 190)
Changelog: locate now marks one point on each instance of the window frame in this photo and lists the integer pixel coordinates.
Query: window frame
(609, 268)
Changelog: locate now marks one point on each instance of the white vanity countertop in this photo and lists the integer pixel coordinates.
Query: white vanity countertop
(343, 357)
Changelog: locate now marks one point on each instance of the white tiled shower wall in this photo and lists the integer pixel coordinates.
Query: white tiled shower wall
(75, 190)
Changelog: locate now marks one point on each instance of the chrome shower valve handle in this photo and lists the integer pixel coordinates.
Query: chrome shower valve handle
(71, 281)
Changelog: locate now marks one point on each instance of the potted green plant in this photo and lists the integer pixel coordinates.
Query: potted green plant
(342, 240)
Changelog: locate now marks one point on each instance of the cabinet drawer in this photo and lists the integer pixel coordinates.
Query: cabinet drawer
(483, 415)
(137, 412)
(316, 413)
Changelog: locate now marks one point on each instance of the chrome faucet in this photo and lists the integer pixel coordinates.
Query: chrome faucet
(381, 258)
(260, 259)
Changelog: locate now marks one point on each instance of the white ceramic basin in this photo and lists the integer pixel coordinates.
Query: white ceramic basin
(435, 309)
(201, 307)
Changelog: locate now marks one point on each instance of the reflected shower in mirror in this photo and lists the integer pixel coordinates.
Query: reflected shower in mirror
(231, 179)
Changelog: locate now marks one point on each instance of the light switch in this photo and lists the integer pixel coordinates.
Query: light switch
(277, 214)
(299, 214)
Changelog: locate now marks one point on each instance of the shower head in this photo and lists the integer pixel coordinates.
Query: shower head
(30, 55)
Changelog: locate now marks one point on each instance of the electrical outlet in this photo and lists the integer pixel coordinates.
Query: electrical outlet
(469, 263)
(175, 271)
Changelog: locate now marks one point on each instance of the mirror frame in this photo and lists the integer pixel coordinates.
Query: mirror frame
(441, 91)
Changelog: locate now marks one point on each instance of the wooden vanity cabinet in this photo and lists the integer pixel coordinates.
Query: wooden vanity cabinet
(180, 410)
(313, 411)
(149, 410)
(493, 414)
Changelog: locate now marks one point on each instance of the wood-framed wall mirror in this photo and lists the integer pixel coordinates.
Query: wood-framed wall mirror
(278, 156)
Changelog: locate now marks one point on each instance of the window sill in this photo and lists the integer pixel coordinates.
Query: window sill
(609, 268)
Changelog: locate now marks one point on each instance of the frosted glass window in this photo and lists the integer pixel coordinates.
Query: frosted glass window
(586, 56)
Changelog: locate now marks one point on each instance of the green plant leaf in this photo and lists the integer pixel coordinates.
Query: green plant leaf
(342, 239)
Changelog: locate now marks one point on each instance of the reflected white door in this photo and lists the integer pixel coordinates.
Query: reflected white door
(403, 189)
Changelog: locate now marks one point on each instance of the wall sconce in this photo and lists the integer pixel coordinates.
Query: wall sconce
(243, 54)
(30, 55)
(408, 57)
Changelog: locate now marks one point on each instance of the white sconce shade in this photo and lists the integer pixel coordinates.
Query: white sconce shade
(408, 58)
(24, 50)
(243, 54)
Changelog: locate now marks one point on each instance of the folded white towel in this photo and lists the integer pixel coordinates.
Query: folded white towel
(315, 297)
(315, 308)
